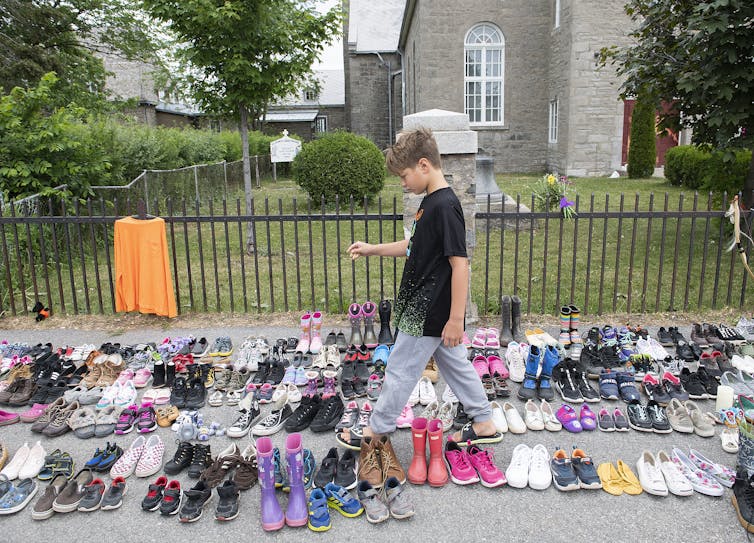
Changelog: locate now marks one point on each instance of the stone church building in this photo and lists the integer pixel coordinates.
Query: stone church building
(525, 71)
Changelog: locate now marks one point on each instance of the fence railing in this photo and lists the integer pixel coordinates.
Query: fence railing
(614, 256)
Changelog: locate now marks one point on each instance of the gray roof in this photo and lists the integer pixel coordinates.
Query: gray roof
(375, 25)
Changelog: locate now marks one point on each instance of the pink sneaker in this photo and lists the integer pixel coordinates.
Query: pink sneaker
(6, 417)
(483, 462)
(466, 341)
(406, 418)
(33, 413)
(480, 365)
(496, 365)
(459, 465)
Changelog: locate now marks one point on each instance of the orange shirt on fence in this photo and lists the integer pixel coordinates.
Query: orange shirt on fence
(143, 281)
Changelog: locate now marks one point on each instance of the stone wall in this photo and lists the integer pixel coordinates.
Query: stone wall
(558, 85)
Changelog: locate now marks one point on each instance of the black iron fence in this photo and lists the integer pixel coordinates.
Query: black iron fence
(617, 255)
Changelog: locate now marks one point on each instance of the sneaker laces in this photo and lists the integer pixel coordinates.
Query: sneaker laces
(457, 458)
(243, 420)
(485, 459)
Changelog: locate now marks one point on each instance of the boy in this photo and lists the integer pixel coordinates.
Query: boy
(431, 304)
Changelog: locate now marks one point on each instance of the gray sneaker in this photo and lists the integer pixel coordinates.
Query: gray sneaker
(399, 504)
(376, 511)
(113, 497)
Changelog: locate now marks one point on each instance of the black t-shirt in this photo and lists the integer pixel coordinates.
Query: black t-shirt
(438, 232)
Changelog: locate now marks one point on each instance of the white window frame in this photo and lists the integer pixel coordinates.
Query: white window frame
(557, 14)
(552, 132)
(320, 121)
(310, 95)
(493, 41)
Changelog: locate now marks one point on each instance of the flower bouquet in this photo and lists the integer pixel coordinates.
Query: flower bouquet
(552, 192)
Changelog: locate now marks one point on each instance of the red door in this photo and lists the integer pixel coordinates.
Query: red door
(663, 142)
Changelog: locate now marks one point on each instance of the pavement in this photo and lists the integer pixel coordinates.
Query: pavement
(452, 513)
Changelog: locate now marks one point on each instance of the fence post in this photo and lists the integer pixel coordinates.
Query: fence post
(196, 181)
(256, 170)
(225, 178)
(146, 191)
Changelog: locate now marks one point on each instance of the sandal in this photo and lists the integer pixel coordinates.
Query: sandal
(729, 439)
(469, 436)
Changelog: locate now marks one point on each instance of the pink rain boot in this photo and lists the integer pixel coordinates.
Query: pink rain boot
(316, 338)
(305, 339)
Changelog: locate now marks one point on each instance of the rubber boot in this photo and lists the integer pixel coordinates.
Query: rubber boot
(271, 513)
(158, 374)
(305, 338)
(565, 326)
(518, 336)
(386, 336)
(437, 474)
(506, 335)
(169, 374)
(576, 342)
(297, 513)
(417, 471)
(354, 315)
(549, 361)
(315, 344)
(529, 389)
(368, 310)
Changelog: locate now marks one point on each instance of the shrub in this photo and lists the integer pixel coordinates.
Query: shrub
(642, 153)
(340, 163)
(683, 165)
(699, 168)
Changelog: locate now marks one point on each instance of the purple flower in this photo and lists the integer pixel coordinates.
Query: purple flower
(565, 202)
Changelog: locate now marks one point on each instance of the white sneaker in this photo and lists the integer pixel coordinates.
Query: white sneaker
(430, 412)
(150, 461)
(658, 351)
(498, 417)
(414, 398)
(294, 393)
(552, 424)
(515, 422)
(676, 482)
(446, 414)
(427, 393)
(448, 396)
(126, 395)
(533, 416)
(699, 480)
(280, 391)
(34, 462)
(650, 475)
(518, 470)
(516, 361)
(13, 467)
(540, 476)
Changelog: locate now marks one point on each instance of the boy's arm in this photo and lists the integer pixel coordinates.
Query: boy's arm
(396, 248)
(452, 333)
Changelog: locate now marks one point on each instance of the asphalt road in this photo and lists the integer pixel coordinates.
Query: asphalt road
(452, 513)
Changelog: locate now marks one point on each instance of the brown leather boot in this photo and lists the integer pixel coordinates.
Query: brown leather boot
(370, 467)
(391, 467)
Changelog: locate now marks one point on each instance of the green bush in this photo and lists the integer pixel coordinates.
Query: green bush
(642, 153)
(700, 168)
(342, 164)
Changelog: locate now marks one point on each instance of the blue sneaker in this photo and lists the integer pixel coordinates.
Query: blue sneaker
(529, 388)
(319, 513)
(563, 474)
(310, 467)
(585, 470)
(627, 387)
(341, 500)
(609, 385)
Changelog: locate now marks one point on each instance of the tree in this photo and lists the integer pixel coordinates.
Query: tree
(642, 151)
(41, 36)
(240, 55)
(698, 55)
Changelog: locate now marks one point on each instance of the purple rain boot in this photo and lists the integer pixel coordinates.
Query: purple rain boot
(272, 515)
(368, 311)
(297, 513)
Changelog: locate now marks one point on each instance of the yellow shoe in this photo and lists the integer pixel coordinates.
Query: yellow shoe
(166, 415)
(630, 482)
(431, 371)
(611, 480)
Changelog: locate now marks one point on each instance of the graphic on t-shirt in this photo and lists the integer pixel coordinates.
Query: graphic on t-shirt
(418, 216)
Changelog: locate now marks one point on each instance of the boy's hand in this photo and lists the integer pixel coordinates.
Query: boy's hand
(360, 248)
(452, 333)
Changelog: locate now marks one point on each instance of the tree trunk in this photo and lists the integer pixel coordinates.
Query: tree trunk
(243, 113)
(748, 192)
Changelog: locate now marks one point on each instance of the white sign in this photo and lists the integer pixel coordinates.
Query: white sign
(285, 149)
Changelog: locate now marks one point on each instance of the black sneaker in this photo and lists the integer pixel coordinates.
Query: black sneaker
(276, 374)
(693, 385)
(261, 376)
(708, 381)
(461, 418)
(200, 460)
(151, 501)
(172, 498)
(567, 386)
(685, 352)
(179, 392)
(195, 500)
(660, 422)
(361, 370)
(359, 388)
(346, 390)
(196, 394)
(664, 337)
(609, 357)
(327, 469)
(673, 387)
(345, 474)
(348, 372)
(329, 415)
(586, 390)
(655, 391)
(304, 414)
(638, 417)
(182, 458)
(676, 335)
(743, 499)
(227, 506)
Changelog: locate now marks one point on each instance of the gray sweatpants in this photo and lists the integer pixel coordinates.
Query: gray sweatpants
(408, 359)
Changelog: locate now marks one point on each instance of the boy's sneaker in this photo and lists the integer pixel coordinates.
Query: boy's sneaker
(319, 512)
(585, 470)
(654, 390)
(244, 422)
(627, 388)
(304, 414)
(328, 415)
(566, 384)
(227, 506)
(609, 385)
(398, 503)
(172, 498)
(586, 389)
(327, 470)
(342, 501)
(182, 458)
(374, 509)
(345, 474)
(563, 474)
(195, 500)
(483, 461)
(660, 422)
(461, 470)
(151, 501)
(638, 417)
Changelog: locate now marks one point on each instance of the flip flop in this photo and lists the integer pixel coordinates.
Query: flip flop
(469, 437)
(348, 440)
(630, 482)
(611, 480)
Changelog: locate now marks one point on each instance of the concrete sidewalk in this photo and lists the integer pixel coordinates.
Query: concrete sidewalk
(452, 513)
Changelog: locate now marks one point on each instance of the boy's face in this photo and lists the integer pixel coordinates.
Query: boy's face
(416, 179)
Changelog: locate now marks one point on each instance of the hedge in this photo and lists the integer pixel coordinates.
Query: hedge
(701, 168)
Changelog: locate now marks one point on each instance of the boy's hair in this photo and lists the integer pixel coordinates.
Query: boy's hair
(412, 146)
